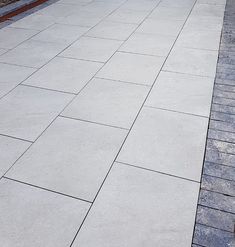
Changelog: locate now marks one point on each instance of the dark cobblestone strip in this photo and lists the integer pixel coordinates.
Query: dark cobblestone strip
(215, 220)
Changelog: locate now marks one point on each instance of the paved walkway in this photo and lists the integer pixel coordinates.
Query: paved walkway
(104, 109)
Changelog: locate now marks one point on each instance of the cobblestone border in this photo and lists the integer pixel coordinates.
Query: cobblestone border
(215, 220)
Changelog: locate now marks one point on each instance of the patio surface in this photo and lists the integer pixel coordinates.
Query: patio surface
(105, 107)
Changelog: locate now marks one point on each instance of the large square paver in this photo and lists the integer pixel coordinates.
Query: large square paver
(208, 10)
(112, 30)
(139, 5)
(137, 208)
(149, 44)
(181, 92)
(127, 16)
(11, 37)
(203, 39)
(34, 21)
(93, 49)
(40, 53)
(71, 157)
(113, 103)
(170, 13)
(27, 111)
(59, 33)
(192, 61)
(10, 150)
(13, 73)
(64, 74)
(168, 142)
(35, 217)
(6, 87)
(134, 68)
(177, 3)
(161, 26)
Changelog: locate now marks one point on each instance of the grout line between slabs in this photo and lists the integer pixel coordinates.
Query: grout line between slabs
(159, 172)
(42, 188)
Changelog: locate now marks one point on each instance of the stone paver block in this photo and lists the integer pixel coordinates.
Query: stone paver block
(210, 237)
(129, 203)
(73, 162)
(26, 112)
(64, 74)
(35, 217)
(220, 158)
(215, 218)
(133, 68)
(164, 141)
(109, 103)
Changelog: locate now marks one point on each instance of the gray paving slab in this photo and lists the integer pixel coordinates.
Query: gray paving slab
(159, 141)
(27, 111)
(35, 217)
(10, 150)
(94, 49)
(148, 44)
(11, 37)
(192, 61)
(109, 103)
(128, 203)
(133, 68)
(40, 53)
(112, 30)
(183, 93)
(64, 74)
(73, 162)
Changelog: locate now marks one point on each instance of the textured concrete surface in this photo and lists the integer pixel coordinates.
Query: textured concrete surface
(105, 107)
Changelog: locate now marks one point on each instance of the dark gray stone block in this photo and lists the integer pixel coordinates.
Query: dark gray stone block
(223, 117)
(223, 108)
(224, 101)
(221, 146)
(225, 82)
(220, 158)
(219, 185)
(217, 201)
(215, 218)
(210, 237)
(219, 93)
(224, 126)
(221, 135)
(221, 171)
(224, 88)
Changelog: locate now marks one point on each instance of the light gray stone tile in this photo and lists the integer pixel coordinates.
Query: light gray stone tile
(132, 68)
(203, 39)
(113, 103)
(208, 10)
(32, 53)
(71, 157)
(139, 5)
(34, 217)
(10, 150)
(112, 30)
(59, 10)
(203, 23)
(168, 142)
(62, 34)
(27, 111)
(136, 201)
(6, 87)
(81, 18)
(64, 74)
(170, 13)
(177, 3)
(2, 51)
(127, 16)
(161, 26)
(35, 21)
(149, 44)
(192, 61)
(14, 74)
(183, 93)
(219, 2)
(93, 49)
(11, 37)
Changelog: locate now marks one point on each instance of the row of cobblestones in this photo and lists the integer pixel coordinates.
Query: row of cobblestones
(215, 219)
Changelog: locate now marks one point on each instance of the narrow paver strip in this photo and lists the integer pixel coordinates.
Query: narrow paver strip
(215, 221)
